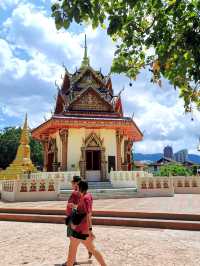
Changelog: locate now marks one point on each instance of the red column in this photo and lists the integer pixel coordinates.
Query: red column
(119, 138)
(64, 140)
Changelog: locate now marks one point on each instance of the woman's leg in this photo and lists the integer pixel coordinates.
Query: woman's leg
(69, 234)
(88, 243)
(74, 242)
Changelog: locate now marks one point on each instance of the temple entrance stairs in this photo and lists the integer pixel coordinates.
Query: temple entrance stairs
(103, 190)
(99, 185)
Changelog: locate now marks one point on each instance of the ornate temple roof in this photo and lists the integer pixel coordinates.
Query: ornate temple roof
(125, 125)
(86, 99)
(85, 78)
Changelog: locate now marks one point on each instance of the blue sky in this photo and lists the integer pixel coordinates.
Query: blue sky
(31, 56)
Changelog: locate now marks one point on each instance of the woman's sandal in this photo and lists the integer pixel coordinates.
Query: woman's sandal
(65, 264)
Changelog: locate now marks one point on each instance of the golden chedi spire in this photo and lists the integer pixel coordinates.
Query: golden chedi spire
(24, 140)
(22, 163)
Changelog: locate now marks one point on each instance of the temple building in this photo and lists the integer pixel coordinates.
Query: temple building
(22, 163)
(88, 131)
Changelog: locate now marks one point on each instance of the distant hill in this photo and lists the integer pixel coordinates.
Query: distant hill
(147, 157)
(156, 156)
(194, 158)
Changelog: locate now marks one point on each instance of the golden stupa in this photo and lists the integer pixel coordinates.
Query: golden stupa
(22, 163)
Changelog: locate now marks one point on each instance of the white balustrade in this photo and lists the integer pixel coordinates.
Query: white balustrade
(167, 186)
(64, 177)
(186, 184)
(47, 185)
(126, 179)
(30, 189)
(155, 186)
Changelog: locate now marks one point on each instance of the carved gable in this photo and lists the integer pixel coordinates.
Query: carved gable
(93, 143)
(88, 79)
(90, 100)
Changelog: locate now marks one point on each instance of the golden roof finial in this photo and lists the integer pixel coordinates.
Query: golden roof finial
(86, 60)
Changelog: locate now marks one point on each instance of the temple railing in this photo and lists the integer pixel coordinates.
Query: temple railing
(65, 178)
(146, 184)
(186, 184)
(155, 186)
(30, 189)
(165, 186)
(126, 178)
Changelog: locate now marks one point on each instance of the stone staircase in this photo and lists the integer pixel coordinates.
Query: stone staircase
(99, 185)
(103, 190)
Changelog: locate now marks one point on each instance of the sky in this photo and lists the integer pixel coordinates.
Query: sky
(32, 54)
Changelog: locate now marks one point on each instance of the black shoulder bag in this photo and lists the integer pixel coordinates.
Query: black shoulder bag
(77, 217)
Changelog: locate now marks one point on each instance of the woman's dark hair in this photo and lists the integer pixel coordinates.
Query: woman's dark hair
(76, 179)
(83, 186)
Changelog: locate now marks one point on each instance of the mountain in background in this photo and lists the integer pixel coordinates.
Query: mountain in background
(147, 157)
(194, 158)
(156, 156)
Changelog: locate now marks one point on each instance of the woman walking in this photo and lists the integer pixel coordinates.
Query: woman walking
(73, 203)
(82, 233)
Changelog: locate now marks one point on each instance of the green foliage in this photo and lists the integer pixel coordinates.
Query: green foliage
(165, 35)
(194, 169)
(36, 152)
(9, 141)
(174, 170)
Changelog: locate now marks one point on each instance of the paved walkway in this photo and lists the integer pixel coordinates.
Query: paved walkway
(180, 203)
(45, 245)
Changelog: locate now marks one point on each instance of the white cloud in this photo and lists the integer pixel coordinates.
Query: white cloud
(30, 29)
(8, 63)
(34, 31)
(162, 119)
(4, 4)
(28, 105)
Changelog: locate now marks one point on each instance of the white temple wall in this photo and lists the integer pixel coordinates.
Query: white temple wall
(109, 137)
(75, 140)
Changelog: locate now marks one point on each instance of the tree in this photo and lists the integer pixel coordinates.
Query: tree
(163, 35)
(174, 170)
(9, 142)
(36, 152)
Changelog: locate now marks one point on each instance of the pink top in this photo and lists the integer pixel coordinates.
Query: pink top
(74, 198)
(84, 206)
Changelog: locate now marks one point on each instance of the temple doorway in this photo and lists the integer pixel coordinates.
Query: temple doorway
(93, 160)
(50, 162)
(92, 163)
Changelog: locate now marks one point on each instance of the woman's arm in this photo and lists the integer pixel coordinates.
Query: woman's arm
(90, 220)
(90, 226)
